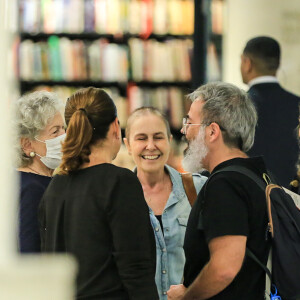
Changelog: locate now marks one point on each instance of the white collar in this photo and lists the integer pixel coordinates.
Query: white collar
(262, 79)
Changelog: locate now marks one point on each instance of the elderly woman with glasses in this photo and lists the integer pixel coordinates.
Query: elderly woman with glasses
(40, 130)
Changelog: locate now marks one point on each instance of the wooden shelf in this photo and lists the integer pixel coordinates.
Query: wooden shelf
(154, 84)
(29, 85)
(120, 38)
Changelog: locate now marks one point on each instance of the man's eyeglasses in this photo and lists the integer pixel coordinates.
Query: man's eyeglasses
(185, 125)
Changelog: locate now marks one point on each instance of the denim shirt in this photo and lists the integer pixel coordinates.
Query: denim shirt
(170, 256)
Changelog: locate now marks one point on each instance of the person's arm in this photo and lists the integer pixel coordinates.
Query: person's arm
(133, 238)
(226, 258)
(225, 224)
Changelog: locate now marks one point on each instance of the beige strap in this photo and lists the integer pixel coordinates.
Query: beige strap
(271, 230)
(189, 187)
(268, 199)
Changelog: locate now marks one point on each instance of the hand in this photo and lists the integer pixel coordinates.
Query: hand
(176, 292)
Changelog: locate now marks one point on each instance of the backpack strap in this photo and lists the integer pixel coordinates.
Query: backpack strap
(189, 187)
(253, 256)
(262, 182)
(267, 269)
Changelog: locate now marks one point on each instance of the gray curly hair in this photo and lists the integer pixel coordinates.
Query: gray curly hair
(231, 108)
(32, 113)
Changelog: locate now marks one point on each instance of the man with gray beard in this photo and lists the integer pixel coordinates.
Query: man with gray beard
(230, 212)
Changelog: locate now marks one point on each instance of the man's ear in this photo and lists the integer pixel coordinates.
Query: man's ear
(127, 145)
(214, 132)
(26, 145)
(248, 64)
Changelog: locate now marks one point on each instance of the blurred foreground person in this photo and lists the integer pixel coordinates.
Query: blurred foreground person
(40, 130)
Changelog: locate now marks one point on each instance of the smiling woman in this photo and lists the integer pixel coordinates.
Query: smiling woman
(148, 140)
(39, 128)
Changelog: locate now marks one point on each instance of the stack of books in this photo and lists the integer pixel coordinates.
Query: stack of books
(62, 59)
(167, 100)
(169, 61)
(108, 16)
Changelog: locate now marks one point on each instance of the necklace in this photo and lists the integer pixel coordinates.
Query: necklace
(34, 171)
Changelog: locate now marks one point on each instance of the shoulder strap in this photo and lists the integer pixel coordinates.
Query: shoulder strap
(253, 256)
(262, 182)
(189, 187)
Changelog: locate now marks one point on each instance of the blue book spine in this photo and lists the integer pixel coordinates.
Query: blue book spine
(89, 16)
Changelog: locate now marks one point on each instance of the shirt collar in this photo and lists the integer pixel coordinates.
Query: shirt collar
(253, 163)
(262, 79)
(177, 186)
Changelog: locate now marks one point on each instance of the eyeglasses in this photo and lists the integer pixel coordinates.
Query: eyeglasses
(185, 125)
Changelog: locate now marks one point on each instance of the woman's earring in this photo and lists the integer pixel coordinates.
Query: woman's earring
(32, 154)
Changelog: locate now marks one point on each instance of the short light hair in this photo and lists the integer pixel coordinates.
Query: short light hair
(32, 113)
(231, 108)
(143, 111)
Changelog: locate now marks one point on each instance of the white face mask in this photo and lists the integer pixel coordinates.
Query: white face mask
(53, 155)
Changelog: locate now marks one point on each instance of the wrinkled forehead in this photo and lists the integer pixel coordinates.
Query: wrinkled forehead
(147, 124)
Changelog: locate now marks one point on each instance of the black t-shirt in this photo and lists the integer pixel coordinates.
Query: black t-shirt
(99, 215)
(233, 205)
(159, 218)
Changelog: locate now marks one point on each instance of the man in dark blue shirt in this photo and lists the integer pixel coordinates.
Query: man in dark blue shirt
(278, 109)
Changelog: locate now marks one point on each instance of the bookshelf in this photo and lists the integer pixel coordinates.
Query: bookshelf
(141, 51)
(215, 38)
(207, 54)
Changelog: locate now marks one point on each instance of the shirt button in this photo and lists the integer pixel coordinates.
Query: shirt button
(156, 229)
(164, 249)
(165, 293)
(167, 229)
(164, 271)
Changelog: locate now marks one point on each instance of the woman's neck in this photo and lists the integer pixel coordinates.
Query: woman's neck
(157, 187)
(151, 179)
(37, 168)
(98, 156)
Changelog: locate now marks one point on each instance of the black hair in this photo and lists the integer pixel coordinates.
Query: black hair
(265, 53)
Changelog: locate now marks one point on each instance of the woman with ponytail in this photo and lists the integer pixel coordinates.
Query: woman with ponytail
(95, 210)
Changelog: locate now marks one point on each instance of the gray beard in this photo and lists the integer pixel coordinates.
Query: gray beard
(195, 153)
